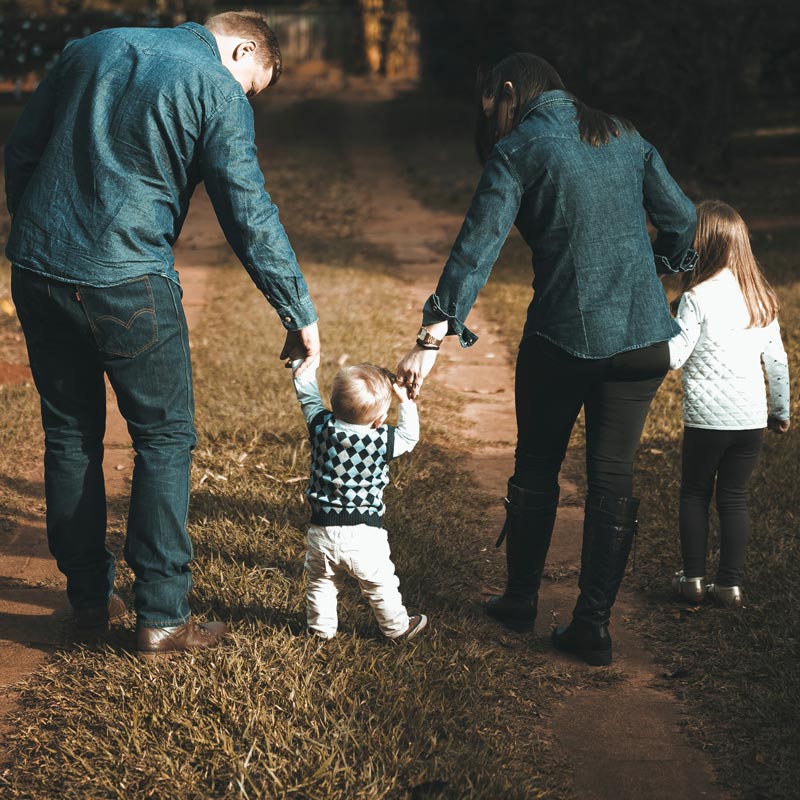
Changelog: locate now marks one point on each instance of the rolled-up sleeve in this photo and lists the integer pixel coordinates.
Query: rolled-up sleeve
(247, 215)
(673, 215)
(491, 214)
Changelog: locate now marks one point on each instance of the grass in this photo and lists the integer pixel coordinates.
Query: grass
(738, 671)
(276, 713)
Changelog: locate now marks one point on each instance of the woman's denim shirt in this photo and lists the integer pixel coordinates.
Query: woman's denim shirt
(581, 209)
(106, 155)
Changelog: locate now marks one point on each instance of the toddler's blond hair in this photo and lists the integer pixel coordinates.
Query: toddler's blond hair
(361, 393)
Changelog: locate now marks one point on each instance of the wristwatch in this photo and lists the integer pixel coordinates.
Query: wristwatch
(426, 341)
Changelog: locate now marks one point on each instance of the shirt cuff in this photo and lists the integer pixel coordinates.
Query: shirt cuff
(432, 312)
(688, 263)
(298, 315)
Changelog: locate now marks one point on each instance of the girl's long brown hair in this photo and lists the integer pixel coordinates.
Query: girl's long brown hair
(722, 240)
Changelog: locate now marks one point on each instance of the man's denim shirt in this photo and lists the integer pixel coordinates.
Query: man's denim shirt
(581, 209)
(103, 162)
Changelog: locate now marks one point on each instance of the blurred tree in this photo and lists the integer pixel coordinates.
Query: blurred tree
(388, 37)
(400, 42)
(372, 33)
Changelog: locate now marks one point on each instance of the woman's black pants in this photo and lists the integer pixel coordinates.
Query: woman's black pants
(728, 459)
(616, 392)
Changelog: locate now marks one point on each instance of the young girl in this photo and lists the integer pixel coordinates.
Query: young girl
(729, 327)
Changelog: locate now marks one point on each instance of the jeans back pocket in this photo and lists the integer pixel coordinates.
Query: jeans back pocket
(122, 317)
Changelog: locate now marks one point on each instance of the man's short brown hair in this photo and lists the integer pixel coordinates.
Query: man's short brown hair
(251, 25)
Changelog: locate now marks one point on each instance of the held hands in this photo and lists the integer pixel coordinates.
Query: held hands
(413, 369)
(778, 425)
(399, 391)
(302, 344)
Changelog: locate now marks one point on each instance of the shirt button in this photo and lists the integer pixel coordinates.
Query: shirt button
(287, 319)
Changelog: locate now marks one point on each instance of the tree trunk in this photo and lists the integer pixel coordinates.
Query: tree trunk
(372, 32)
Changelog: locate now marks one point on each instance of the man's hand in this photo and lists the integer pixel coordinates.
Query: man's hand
(304, 344)
(778, 425)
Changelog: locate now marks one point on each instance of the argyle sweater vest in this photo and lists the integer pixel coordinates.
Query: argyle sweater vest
(349, 472)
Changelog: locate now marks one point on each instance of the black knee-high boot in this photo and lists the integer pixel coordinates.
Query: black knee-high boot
(609, 527)
(530, 517)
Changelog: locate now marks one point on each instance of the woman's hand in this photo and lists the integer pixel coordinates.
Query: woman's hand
(414, 368)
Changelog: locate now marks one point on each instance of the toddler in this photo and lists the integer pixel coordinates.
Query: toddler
(351, 447)
(729, 327)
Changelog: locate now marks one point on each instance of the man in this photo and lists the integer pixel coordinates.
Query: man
(99, 173)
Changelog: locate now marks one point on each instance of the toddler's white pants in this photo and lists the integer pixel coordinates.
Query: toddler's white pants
(361, 551)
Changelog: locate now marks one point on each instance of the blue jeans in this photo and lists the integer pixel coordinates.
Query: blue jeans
(135, 332)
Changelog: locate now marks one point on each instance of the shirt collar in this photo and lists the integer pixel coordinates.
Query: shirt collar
(204, 34)
(555, 97)
(352, 427)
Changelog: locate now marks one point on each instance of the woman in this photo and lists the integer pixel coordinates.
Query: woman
(578, 184)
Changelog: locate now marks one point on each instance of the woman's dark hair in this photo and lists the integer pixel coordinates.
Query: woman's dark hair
(530, 76)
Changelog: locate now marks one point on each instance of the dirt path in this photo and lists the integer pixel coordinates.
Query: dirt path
(623, 742)
(34, 613)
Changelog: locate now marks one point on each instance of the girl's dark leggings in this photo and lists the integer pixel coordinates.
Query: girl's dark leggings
(729, 458)
(615, 393)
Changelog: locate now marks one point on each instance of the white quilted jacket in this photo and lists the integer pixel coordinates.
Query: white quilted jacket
(723, 380)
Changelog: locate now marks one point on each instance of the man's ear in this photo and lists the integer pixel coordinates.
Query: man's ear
(244, 49)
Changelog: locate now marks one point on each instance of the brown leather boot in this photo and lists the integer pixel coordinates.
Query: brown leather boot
(93, 623)
(155, 642)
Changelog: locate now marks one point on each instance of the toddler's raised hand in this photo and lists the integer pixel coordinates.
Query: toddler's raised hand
(401, 392)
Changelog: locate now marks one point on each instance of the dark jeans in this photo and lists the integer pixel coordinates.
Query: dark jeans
(135, 333)
(616, 392)
(729, 458)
